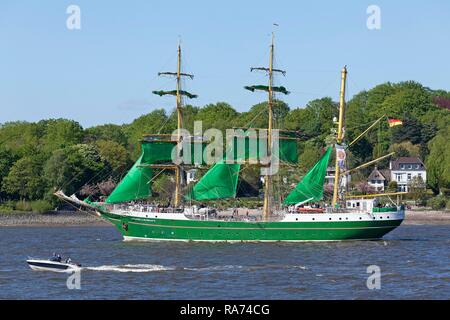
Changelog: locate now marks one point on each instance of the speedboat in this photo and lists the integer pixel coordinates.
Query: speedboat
(52, 265)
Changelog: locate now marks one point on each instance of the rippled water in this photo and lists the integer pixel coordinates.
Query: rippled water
(414, 262)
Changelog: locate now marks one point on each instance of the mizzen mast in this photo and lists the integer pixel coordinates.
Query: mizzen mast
(178, 93)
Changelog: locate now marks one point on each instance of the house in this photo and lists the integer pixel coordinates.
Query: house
(378, 179)
(329, 177)
(405, 169)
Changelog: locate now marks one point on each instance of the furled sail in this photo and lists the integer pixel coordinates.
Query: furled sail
(310, 188)
(218, 183)
(134, 186)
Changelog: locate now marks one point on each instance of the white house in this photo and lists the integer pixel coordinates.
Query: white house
(377, 179)
(404, 169)
(329, 177)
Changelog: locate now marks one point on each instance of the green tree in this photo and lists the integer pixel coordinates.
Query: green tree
(113, 153)
(6, 162)
(60, 133)
(417, 190)
(21, 138)
(258, 115)
(72, 167)
(438, 162)
(24, 180)
(219, 115)
(309, 156)
(405, 149)
(154, 122)
(111, 132)
(315, 120)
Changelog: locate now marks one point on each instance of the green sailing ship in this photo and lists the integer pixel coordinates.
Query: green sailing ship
(192, 216)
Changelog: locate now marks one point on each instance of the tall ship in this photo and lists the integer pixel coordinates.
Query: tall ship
(301, 214)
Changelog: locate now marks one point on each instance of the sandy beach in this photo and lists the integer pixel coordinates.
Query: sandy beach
(80, 218)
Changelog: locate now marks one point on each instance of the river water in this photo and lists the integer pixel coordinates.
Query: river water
(414, 263)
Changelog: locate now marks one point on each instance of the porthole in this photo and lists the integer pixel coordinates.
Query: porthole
(329, 218)
(314, 219)
(381, 217)
(296, 219)
(360, 218)
(340, 218)
(346, 218)
(373, 218)
(388, 217)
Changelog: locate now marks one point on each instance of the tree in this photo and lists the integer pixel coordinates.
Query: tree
(154, 122)
(60, 133)
(219, 115)
(316, 119)
(258, 115)
(417, 190)
(113, 153)
(437, 163)
(24, 180)
(309, 156)
(73, 167)
(6, 161)
(111, 132)
(405, 149)
(20, 138)
(392, 186)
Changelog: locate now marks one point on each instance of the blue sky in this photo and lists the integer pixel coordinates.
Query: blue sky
(105, 72)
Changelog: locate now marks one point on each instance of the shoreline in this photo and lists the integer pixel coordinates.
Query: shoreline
(83, 219)
(51, 219)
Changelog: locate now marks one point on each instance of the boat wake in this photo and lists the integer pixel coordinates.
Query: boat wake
(130, 268)
(243, 268)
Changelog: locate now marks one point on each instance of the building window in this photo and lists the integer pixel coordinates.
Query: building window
(410, 166)
(409, 176)
(399, 177)
(402, 166)
(419, 175)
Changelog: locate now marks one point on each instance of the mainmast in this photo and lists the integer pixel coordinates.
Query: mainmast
(270, 90)
(179, 109)
(339, 133)
(268, 177)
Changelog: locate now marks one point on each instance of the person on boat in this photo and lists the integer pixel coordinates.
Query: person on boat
(56, 257)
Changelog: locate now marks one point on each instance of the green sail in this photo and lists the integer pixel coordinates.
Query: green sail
(218, 183)
(310, 188)
(134, 186)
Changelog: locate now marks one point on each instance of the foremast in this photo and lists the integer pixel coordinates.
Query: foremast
(178, 92)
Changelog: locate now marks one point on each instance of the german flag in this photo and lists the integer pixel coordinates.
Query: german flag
(394, 122)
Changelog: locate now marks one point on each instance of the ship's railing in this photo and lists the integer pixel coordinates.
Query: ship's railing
(143, 208)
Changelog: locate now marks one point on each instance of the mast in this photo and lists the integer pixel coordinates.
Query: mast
(340, 132)
(268, 177)
(178, 93)
(179, 127)
(270, 89)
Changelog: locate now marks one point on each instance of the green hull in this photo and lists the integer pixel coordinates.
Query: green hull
(194, 230)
